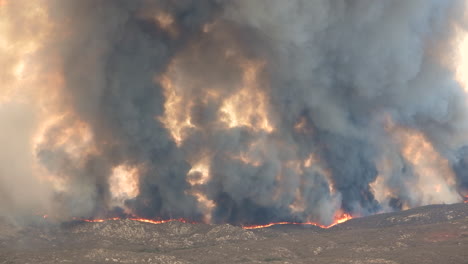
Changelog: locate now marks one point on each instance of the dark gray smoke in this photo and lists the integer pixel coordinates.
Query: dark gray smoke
(284, 110)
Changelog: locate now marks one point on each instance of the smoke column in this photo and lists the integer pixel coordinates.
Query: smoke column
(239, 112)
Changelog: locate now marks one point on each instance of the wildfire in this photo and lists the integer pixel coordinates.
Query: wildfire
(299, 203)
(342, 219)
(434, 177)
(197, 176)
(100, 220)
(143, 220)
(461, 72)
(156, 222)
(313, 162)
(199, 173)
(176, 113)
(248, 107)
(123, 183)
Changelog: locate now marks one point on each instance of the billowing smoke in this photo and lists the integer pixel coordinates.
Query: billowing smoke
(232, 111)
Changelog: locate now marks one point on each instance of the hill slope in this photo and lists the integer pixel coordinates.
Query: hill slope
(430, 234)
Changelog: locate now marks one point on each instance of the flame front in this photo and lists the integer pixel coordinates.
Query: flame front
(343, 218)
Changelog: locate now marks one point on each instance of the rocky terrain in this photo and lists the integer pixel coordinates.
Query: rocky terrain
(430, 234)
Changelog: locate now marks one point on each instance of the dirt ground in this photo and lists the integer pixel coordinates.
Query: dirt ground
(430, 234)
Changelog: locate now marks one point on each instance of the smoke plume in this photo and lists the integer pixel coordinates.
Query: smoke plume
(232, 111)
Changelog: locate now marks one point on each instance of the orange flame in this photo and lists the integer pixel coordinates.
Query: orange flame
(94, 220)
(343, 218)
(156, 222)
(143, 220)
(340, 220)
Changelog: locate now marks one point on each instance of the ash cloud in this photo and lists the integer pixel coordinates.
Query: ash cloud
(280, 111)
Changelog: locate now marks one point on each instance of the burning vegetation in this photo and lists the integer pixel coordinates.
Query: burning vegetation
(221, 112)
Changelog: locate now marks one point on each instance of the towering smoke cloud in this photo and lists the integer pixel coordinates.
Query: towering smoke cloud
(232, 111)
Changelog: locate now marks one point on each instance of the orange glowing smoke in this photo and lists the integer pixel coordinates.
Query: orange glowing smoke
(244, 158)
(435, 181)
(461, 68)
(164, 20)
(124, 183)
(340, 220)
(71, 135)
(176, 117)
(254, 155)
(199, 173)
(196, 177)
(30, 79)
(299, 203)
(313, 162)
(248, 107)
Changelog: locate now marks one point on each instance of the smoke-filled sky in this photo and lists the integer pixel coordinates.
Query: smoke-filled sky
(238, 112)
